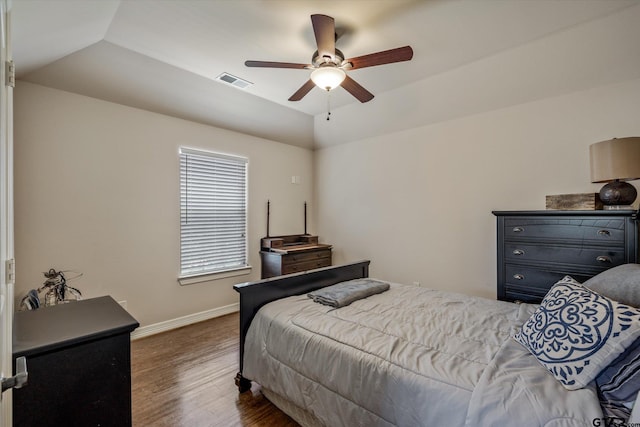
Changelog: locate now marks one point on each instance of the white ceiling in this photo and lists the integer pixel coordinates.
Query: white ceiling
(164, 55)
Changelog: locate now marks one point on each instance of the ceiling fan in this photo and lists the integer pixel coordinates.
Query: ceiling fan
(329, 65)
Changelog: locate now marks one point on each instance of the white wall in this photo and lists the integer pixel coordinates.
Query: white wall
(97, 191)
(418, 202)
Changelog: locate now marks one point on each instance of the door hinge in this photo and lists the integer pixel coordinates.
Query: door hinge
(10, 73)
(10, 271)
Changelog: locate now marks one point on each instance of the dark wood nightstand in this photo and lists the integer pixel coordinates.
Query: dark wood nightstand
(538, 248)
(79, 363)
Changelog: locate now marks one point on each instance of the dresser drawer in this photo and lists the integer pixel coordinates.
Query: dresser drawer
(534, 281)
(275, 263)
(306, 265)
(538, 277)
(518, 294)
(305, 257)
(594, 257)
(592, 230)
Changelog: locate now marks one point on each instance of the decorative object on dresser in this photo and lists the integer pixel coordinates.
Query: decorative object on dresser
(574, 202)
(55, 290)
(79, 363)
(616, 161)
(293, 253)
(538, 248)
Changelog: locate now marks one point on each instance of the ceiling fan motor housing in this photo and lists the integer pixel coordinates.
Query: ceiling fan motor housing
(318, 61)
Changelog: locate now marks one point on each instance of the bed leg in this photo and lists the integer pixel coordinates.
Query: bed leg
(242, 383)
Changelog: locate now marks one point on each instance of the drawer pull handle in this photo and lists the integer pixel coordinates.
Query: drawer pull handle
(518, 229)
(604, 233)
(518, 252)
(518, 276)
(602, 258)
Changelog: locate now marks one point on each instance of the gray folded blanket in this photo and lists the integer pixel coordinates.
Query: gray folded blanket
(344, 293)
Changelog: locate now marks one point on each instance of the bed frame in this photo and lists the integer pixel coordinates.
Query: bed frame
(254, 295)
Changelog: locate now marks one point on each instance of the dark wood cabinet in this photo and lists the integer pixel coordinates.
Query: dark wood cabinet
(538, 248)
(79, 363)
(294, 260)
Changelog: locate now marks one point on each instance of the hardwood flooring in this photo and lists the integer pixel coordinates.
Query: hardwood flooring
(185, 378)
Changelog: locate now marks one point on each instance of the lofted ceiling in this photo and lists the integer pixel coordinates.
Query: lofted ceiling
(165, 55)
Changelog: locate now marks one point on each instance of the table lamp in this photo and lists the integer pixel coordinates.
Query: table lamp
(616, 161)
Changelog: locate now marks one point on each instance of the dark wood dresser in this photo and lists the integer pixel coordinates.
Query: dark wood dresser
(294, 260)
(79, 363)
(538, 248)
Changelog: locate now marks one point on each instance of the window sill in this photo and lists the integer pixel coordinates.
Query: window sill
(207, 277)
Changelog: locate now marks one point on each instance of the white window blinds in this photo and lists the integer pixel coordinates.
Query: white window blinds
(213, 212)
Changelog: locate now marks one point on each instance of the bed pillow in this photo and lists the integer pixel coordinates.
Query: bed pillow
(621, 283)
(576, 333)
(618, 383)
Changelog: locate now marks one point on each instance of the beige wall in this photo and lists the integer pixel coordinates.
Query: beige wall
(97, 191)
(418, 202)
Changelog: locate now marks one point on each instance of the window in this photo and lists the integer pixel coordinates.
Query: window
(213, 212)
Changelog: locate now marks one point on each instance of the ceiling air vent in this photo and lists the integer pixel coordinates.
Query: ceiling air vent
(233, 80)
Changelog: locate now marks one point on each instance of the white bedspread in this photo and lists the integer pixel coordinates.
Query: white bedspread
(408, 357)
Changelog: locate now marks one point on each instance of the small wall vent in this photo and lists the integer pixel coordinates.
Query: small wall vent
(233, 80)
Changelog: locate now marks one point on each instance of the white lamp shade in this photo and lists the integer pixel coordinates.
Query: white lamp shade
(618, 158)
(328, 77)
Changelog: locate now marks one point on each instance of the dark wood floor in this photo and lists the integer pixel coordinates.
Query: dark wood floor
(184, 377)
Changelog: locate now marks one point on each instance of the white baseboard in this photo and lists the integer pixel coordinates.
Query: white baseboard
(167, 325)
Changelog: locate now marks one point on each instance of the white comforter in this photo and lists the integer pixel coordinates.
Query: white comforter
(409, 357)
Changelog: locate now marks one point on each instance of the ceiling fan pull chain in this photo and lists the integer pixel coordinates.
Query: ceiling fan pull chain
(328, 105)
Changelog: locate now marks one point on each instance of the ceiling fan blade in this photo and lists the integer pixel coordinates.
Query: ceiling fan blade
(271, 64)
(300, 93)
(324, 28)
(385, 57)
(356, 90)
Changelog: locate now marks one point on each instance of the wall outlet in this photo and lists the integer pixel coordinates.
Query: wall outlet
(123, 304)
(416, 284)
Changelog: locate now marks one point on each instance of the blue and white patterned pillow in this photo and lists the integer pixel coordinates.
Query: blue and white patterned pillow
(576, 333)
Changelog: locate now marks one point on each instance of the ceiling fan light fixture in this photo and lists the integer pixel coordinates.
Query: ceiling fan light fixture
(329, 64)
(328, 77)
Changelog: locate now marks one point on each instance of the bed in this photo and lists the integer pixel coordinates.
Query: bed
(413, 356)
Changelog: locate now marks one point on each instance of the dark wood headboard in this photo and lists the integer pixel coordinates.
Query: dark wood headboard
(254, 295)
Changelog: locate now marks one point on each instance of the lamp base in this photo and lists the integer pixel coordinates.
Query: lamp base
(618, 193)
